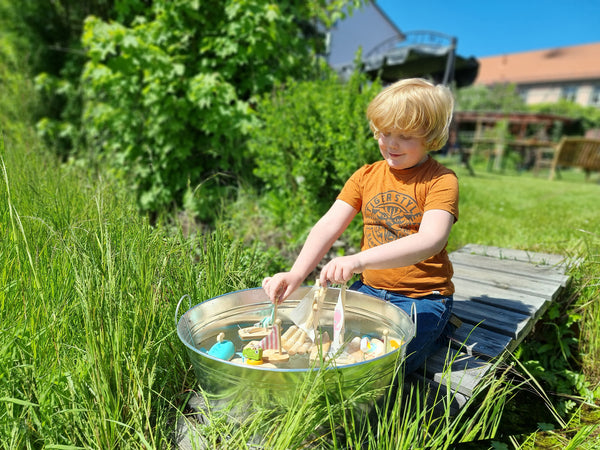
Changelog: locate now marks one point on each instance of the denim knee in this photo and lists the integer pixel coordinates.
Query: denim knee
(432, 314)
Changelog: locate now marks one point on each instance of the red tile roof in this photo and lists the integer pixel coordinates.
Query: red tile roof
(581, 62)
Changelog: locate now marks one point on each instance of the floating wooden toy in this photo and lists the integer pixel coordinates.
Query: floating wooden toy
(223, 349)
(259, 330)
(285, 337)
(253, 332)
(272, 349)
(252, 352)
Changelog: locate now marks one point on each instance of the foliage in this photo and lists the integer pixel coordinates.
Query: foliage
(47, 35)
(564, 352)
(17, 104)
(315, 135)
(588, 307)
(559, 371)
(169, 101)
(589, 116)
(499, 97)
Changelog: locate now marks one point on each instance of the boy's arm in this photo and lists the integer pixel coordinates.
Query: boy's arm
(428, 241)
(320, 239)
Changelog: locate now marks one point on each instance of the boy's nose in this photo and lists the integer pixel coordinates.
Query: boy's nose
(392, 143)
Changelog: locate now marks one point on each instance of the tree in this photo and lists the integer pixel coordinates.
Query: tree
(47, 35)
(170, 99)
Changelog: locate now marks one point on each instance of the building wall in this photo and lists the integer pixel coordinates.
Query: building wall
(366, 28)
(586, 93)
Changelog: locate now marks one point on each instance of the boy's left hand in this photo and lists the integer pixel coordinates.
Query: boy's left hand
(341, 269)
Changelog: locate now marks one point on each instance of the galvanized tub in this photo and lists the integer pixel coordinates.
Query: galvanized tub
(227, 384)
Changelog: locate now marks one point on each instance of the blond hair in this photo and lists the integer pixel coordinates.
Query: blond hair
(416, 107)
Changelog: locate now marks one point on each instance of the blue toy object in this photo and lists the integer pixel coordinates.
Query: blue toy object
(223, 349)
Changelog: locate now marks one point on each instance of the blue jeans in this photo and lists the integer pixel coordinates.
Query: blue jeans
(433, 312)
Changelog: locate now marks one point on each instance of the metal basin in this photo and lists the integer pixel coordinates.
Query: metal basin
(226, 383)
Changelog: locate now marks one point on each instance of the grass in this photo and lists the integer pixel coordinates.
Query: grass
(522, 211)
(89, 356)
(404, 420)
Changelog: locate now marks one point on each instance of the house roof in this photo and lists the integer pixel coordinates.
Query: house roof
(581, 62)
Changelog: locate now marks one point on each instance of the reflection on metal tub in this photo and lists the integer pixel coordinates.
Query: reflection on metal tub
(226, 383)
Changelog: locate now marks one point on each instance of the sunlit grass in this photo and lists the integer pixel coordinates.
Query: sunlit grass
(89, 355)
(412, 416)
(523, 211)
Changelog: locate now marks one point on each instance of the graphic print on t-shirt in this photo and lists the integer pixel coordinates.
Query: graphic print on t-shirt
(390, 215)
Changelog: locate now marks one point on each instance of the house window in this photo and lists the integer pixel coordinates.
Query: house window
(523, 93)
(595, 96)
(569, 93)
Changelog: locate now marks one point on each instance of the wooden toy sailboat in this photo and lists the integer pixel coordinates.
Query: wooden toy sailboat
(259, 330)
(271, 344)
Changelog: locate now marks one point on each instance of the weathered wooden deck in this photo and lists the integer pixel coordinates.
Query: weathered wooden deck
(500, 295)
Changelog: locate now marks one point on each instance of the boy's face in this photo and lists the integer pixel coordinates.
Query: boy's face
(400, 150)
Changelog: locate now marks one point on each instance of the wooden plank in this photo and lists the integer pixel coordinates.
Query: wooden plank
(434, 394)
(481, 342)
(535, 272)
(500, 294)
(461, 372)
(503, 280)
(499, 320)
(514, 254)
(501, 297)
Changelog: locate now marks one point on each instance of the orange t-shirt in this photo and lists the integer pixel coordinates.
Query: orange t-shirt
(392, 203)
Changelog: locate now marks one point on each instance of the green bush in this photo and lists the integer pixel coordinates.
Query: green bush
(169, 100)
(589, 116)
(315, 135)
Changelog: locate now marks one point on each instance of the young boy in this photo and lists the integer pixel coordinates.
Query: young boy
(409, 203)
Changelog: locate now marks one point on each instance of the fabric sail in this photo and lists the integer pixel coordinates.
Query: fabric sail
(271, 341)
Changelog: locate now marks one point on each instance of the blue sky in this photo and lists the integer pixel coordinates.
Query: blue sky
(491, 27)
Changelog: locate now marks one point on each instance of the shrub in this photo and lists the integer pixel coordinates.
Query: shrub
(315, 135)
(169, 100)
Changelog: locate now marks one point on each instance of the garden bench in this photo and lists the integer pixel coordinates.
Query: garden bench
(500, 295)
(571, 151)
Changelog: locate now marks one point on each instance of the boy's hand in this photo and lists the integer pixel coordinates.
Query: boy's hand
(341, 269)
(281, 285)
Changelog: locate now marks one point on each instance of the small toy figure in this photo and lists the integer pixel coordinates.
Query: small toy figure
(372, 347)
(252, 354)
(272, 350)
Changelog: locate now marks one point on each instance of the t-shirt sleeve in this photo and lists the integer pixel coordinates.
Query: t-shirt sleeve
(443, 194)
(352, 193)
